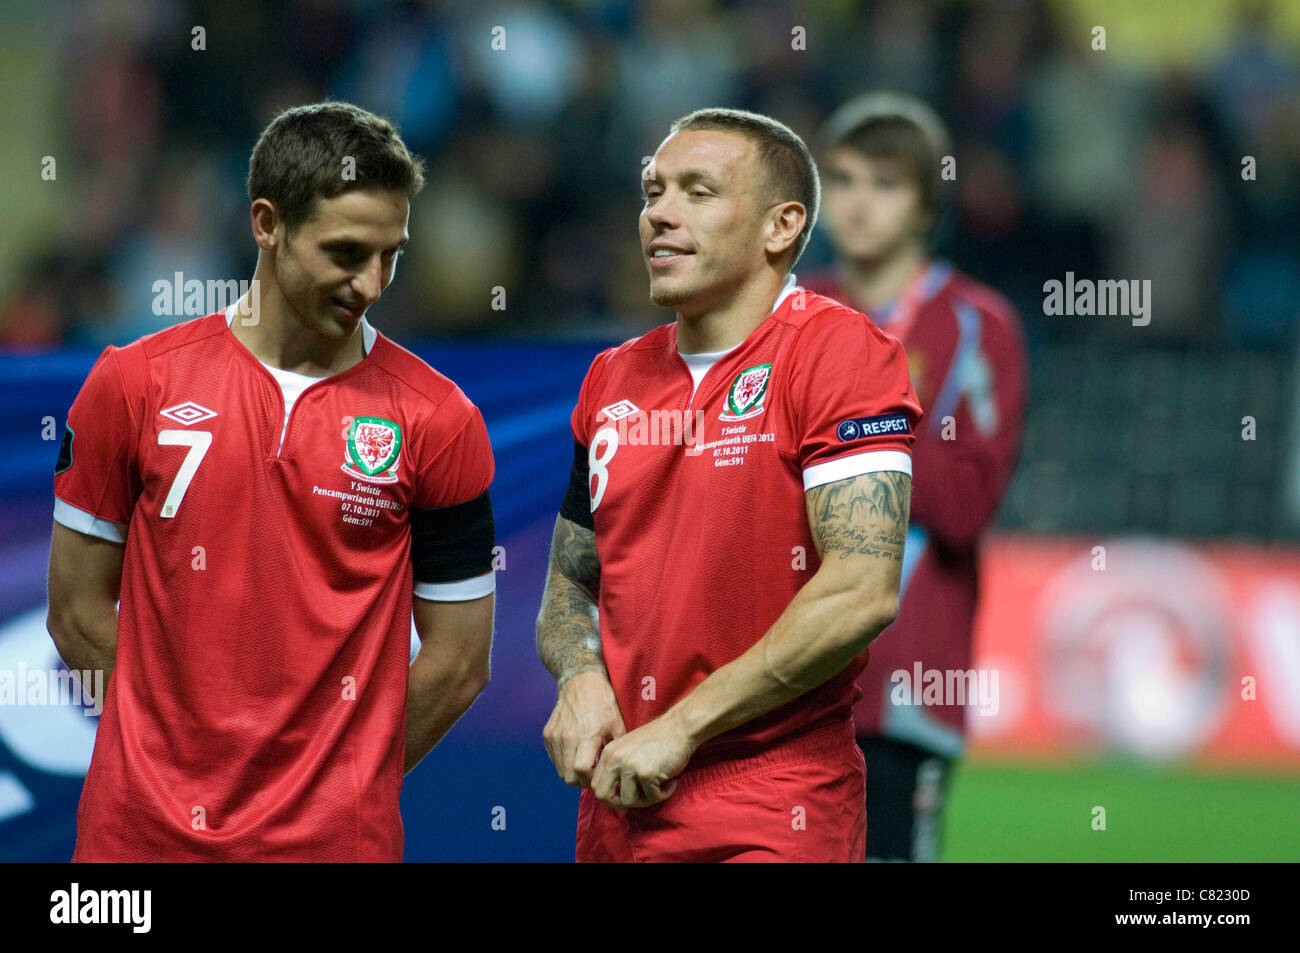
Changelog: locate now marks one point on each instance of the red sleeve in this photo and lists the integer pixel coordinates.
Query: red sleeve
(98, 468)
(460, 465)
(961, 479)
(581, 417)
(852, 405)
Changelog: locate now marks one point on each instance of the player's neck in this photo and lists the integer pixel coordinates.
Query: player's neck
(878, 283)
(725, 326)
(279, 339)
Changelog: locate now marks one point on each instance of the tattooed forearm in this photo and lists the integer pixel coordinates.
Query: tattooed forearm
(568, 628)
(864, 516)
(573, 555)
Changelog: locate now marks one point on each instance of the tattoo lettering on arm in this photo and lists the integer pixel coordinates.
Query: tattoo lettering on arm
(568, 627)
(862, 516)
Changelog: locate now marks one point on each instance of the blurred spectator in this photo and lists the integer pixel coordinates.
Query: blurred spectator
(1169, 230)
(534, 149)
(1253, 90)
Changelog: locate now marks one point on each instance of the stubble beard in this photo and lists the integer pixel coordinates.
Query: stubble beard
(670, 299)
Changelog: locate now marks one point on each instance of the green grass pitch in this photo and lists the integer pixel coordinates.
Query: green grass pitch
(1019, 812)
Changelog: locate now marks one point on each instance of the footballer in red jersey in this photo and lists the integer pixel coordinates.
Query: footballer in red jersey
(273, 491)
(732, 538)
(882, 156)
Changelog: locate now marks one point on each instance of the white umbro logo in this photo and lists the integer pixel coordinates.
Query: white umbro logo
(188, 413)
(624, 408)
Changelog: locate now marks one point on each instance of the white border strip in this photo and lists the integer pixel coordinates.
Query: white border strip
(846, 468)
(462, 590)
(78, 520)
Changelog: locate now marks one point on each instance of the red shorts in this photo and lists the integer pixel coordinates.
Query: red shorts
(802, 800)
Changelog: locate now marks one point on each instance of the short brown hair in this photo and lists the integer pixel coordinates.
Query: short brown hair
(893, 126)
(300, 158)
(791, 170)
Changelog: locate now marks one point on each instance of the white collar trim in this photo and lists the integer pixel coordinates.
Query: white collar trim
(709, 357)
(787, 289)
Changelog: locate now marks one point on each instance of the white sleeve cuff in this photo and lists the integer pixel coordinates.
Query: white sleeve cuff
(845, 468)
(65, 514)
(463, 590)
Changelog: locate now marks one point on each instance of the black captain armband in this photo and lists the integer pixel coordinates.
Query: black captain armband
(577, 501)
(65, 452)
(452, 543)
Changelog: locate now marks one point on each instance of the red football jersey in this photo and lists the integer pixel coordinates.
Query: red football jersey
(704, 541)
(257, 707)
(967, 358)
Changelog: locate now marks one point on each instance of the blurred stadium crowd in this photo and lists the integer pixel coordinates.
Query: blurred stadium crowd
(1123, 163)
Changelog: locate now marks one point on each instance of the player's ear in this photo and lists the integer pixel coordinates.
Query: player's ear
(265, 220)
(785, 224)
